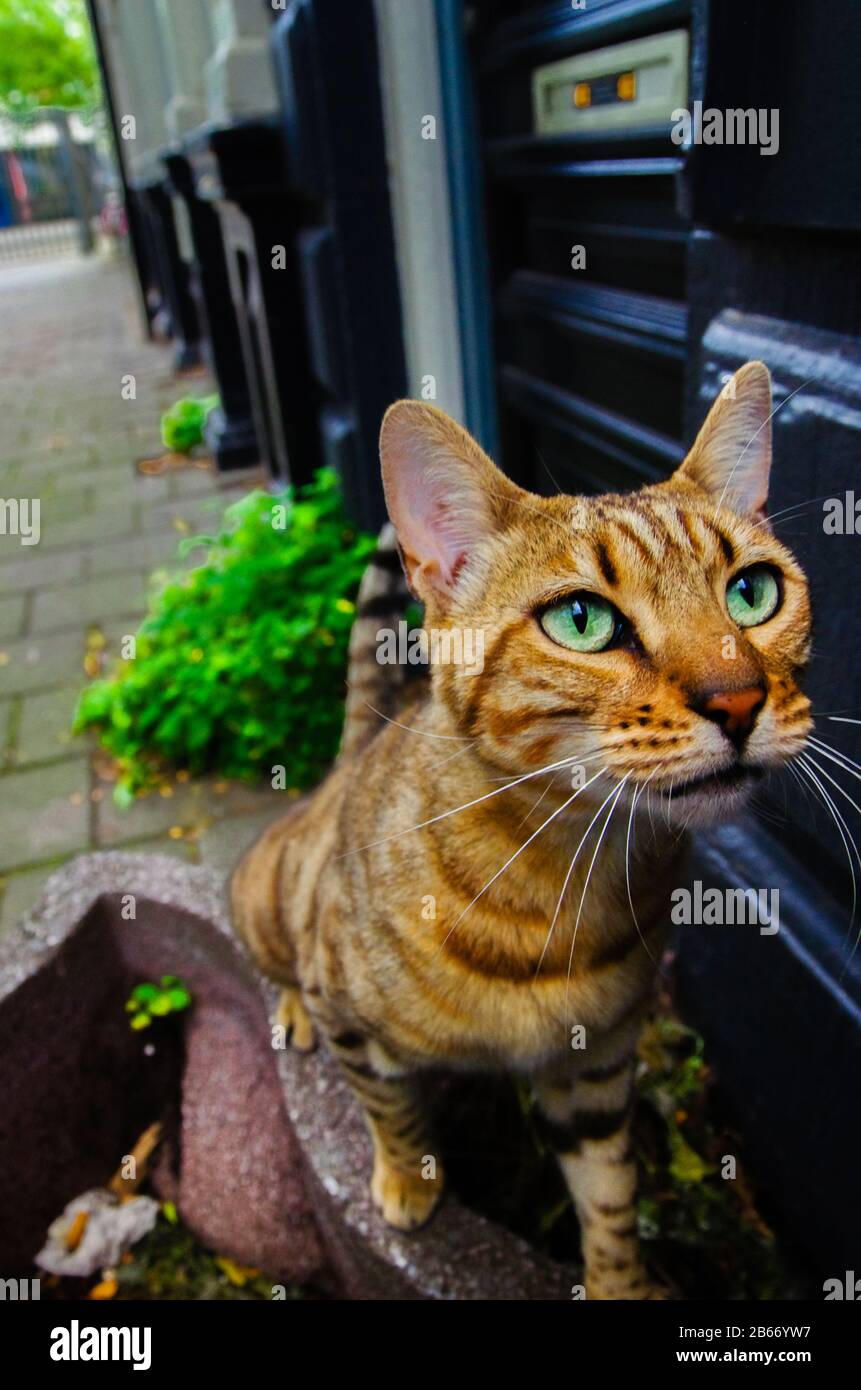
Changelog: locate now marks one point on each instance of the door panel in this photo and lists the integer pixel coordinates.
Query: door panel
(696, 261)
(589, 360)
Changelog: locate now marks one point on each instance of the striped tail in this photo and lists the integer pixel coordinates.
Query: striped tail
(374, 689)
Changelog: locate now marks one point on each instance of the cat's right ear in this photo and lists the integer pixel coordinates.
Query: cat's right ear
(444, 495)
(731, 455)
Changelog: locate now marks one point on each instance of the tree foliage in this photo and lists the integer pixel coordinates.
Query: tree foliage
(47, 56)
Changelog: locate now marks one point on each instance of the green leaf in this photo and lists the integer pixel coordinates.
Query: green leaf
(144, 993)
(686, 1165)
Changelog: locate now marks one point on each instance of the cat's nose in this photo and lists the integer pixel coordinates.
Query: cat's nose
(734, 710)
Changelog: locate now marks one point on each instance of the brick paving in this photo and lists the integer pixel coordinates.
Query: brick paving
(71, 332)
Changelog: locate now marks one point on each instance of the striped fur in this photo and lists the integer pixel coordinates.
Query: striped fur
(373, 690)
(390, 923)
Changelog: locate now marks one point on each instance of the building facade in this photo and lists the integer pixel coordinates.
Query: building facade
(567, 224)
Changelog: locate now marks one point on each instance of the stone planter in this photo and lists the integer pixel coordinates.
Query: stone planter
(266, 1153)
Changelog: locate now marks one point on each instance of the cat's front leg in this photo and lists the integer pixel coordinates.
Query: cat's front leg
(408, 1178)
(587, 1118)
(292, 1015)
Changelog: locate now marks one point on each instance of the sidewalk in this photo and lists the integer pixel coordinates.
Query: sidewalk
(71, 333)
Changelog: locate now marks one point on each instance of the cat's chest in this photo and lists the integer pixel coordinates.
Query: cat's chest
(456, 963)
(502, 1011)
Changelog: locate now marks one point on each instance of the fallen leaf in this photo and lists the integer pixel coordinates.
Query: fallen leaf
(237, 1274)
(106, 1289)
(75, 1233)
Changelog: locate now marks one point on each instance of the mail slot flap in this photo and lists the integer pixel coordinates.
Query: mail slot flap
(623, 87)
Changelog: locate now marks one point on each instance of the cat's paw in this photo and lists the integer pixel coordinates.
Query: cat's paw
(296, 1021)
(406, 1200)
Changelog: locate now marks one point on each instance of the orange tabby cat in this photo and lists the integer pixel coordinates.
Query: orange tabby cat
(460, 891)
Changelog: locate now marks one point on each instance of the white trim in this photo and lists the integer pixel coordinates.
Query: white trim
(418, 182)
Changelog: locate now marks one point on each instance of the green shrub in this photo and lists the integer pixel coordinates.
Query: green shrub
(182, 426)
(240, 665)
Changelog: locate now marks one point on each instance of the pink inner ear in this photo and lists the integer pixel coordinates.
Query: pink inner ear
(442, 492)
(451, 541)
(429, 527)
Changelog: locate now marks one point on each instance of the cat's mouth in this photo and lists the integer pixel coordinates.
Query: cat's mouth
(736, 777)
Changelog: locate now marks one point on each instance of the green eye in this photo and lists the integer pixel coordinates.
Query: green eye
(583, 622)
(753, 596)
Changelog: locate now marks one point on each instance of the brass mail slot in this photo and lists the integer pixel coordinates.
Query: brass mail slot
(621, 87)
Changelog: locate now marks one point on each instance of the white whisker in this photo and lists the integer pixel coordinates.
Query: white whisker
(839, 820)
(458, 753)
(757, 432)
(638, 792)
(586, 887)
(534, 808)
(518, 852)
(425, 733)
(795, 506)
(809, 761)
(846, 763)
(568, 878)
(497, 791)
(800, 780)
(574, 760)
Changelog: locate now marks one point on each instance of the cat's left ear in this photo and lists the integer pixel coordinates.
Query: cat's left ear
(731, 455)
(444, 496)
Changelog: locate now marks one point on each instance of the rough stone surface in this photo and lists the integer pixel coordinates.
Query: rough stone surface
(21, 891)
(76, 604)
(77, 1087)
(44, 813)
(45, 728)
(38, 573)
(37, 663)
(224, 843)
(459, 1255)
(191, 805)
(11, 616)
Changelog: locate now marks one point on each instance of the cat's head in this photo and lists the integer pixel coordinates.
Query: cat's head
(658, 634)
